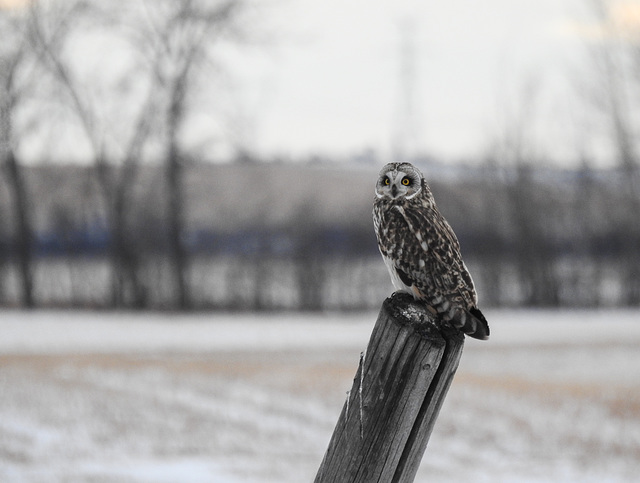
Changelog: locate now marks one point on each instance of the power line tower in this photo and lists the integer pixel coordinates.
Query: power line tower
(405, 142)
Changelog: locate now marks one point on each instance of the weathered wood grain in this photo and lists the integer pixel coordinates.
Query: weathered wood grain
(399, 387)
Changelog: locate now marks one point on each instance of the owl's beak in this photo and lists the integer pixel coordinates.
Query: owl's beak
(394, 191)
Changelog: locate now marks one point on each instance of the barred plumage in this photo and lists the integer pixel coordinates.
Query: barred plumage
(421, 251)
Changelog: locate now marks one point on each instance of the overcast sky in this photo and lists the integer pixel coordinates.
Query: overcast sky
(333, 85)
(329, 81)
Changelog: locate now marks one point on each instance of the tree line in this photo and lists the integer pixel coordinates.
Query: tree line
(531, 237)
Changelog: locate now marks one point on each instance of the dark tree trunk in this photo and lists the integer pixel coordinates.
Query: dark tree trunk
(174, 174)
(128, 289)
(23, 230)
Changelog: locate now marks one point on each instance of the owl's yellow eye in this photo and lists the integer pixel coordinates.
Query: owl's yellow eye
(406, 181)
(387, 181)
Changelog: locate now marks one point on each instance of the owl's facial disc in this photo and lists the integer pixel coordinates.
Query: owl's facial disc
(396, 184)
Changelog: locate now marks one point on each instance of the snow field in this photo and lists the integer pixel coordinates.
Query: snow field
(245, 399)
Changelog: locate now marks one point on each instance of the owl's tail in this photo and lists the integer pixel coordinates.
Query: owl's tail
(472, 323)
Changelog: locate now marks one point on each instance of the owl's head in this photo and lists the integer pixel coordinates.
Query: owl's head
(399, 181)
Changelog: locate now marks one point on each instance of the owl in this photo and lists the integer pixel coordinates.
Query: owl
(421, 251)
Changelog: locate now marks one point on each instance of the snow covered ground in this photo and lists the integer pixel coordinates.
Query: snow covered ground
(119, 397)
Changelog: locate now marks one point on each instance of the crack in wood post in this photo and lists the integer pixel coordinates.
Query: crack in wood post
(360, 394)
(346, 411)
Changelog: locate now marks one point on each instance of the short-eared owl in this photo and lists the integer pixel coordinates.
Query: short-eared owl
(421, 250)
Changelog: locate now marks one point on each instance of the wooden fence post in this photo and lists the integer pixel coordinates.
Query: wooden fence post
(401, 382)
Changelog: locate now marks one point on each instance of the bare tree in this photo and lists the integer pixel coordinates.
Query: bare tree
(531, 218)
(116, 169)
(177, 43)
(15, 51)
(491, 235)
(616, 92)
(144, 110)
(309, 259)
(589, 223)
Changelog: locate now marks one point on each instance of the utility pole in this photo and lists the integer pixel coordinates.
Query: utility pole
(406, 126)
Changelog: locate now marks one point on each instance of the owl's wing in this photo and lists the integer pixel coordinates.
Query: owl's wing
(429, 255)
